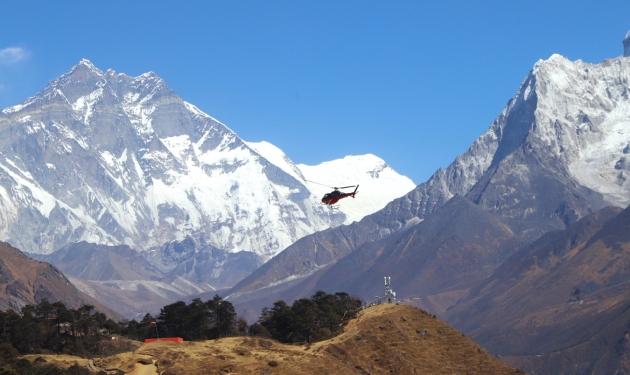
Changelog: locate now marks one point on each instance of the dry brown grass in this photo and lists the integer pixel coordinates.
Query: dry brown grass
(386, 339)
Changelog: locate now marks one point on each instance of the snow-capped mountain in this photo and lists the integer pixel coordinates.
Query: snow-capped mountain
(112, 159)
(379, 183)
(558, 151)
(568, 126)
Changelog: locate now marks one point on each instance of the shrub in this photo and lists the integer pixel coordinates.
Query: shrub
(77, 369)
(7, 352)
(258, 330)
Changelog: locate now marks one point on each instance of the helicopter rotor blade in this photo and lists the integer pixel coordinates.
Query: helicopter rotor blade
(345, 187)
(320, 184)
(332, 187)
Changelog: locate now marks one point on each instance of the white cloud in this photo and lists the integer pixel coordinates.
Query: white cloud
(12, 55)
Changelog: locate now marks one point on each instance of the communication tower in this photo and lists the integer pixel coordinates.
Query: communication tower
(390, 295)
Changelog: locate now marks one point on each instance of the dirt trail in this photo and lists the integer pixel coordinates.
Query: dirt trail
(142, 369)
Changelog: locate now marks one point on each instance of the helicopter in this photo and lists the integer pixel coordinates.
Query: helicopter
(334, 196)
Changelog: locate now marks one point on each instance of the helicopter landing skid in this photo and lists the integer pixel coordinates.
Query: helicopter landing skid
(332, 207)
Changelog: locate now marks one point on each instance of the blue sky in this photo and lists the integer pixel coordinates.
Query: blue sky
(413, 82)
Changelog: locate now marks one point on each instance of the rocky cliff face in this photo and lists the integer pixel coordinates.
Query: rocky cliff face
(566, 129)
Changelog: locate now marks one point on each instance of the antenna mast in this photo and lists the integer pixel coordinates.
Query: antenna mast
(390, 295)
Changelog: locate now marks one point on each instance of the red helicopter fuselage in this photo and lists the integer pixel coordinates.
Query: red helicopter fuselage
(336, 195)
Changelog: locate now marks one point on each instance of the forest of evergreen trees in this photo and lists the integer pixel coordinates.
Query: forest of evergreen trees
(309, 319)
(50, 328)
(198, 320)
(55, 328)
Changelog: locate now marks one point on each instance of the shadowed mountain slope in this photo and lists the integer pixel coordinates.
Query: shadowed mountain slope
(122, 278)
(203, 263)
(566, 297)
(88, 261)
(458, 244)
(24, 281)
(134, 301)
(443, 255)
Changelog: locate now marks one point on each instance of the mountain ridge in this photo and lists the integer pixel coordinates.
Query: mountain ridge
(114, 160)
(528, 168)
(24, 281)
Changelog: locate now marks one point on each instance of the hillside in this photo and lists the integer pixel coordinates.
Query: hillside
(560, 305)
(440, 257)
(120, 278)
(24, 281)
(392, 339)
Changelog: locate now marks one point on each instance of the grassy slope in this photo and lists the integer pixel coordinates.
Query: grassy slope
(379, 341)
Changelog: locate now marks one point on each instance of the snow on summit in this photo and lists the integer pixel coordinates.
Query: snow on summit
(113, 159)
(379, 183)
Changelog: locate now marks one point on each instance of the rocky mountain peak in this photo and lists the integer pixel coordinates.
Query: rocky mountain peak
(84, 79)
(87, 64)
(626, 45)
(152, 164)
(82, 74)
(83, 69)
